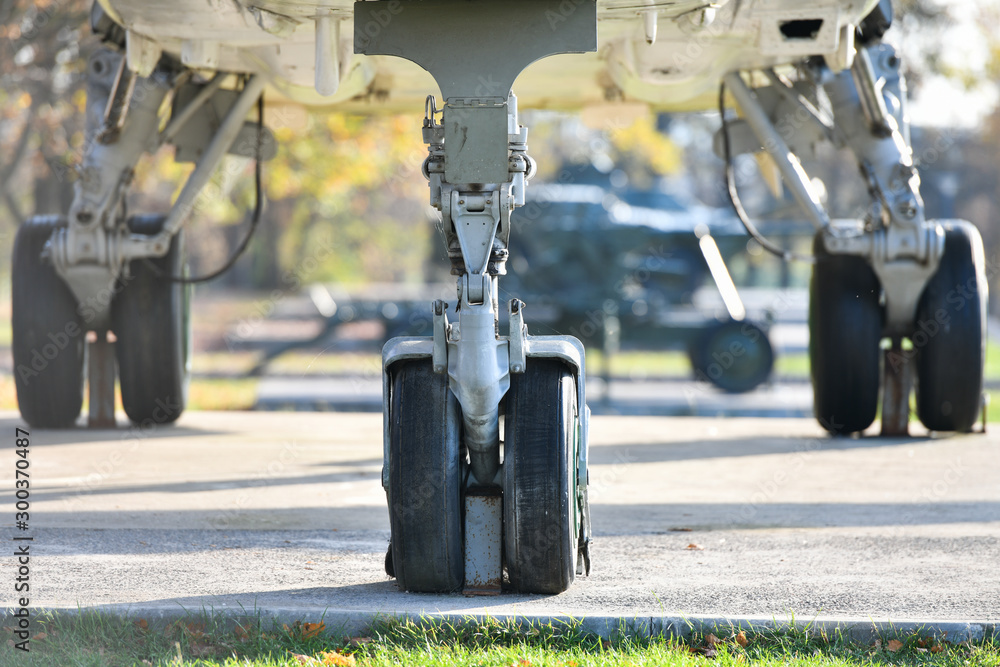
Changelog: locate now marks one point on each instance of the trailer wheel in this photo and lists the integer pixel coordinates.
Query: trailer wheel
(734, 356)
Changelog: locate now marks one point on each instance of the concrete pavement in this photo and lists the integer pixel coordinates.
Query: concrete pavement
(662, 397)
(694, 518)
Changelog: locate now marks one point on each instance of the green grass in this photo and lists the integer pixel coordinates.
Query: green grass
(103, 640)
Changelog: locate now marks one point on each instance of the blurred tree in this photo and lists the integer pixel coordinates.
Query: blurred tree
(351, 185)
(40, 92)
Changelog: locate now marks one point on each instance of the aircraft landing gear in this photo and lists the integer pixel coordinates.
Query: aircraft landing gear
(466, 502)
(892, 275)
(97, 270)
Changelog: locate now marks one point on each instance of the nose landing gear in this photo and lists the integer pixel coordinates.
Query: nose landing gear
(466, 501)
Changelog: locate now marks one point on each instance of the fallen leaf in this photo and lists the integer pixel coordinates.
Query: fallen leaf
(711, 640)
(194, 630)
(241, 633)
(921, 650)
(937, 648)
(142, 624)
(877, 645)
(336, 658)
(710, 653)
(40, 636)
(304, 659)
(695, 547)
(741, 639)
(681, 530)
(922, 642)
(310, 630)
(893, 645)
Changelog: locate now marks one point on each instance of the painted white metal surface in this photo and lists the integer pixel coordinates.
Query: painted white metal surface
(670, 53)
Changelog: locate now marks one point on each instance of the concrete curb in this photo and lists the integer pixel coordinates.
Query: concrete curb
(354, 622)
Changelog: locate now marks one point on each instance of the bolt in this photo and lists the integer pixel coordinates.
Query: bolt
(907, 208)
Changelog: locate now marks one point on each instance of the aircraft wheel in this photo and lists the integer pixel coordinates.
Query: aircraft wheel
(950, 336)
(845, 328)
(734, 356)
(425, 481)
(541, 522)
(48, 336)
(151, 319)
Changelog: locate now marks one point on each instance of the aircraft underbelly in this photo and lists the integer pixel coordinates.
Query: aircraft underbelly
(694, 46)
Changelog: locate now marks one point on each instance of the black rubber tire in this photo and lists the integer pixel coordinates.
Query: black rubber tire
(845, 329)
(425, 480)
(49, 340)
(734, 356)
(950, 335)
(150, 316)
(541, 523)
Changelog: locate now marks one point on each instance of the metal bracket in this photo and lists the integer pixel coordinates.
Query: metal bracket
(475, 49)
(903, 280)
(476, 216)
(898, 371)
(518, 334)
(439, 357)
(483, 541)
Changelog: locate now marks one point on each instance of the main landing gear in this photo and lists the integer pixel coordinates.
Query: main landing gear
(895, 300)
(95, 271)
